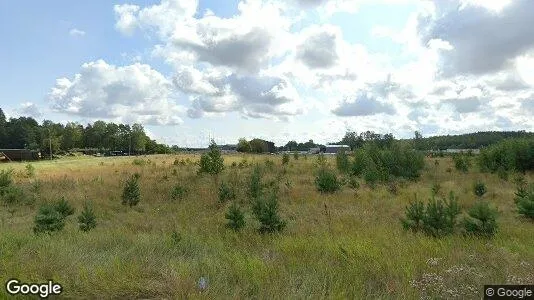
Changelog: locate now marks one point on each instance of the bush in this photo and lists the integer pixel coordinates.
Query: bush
(296, 155)
(415, 214)
(525, 201)
(30, 170)
(87, 218)
(235, 217)
(479, 188)
(461, 163)
(353, 183)
(6, 179)
(285, 159)
(255, 187)
(437, 219)
(12, 194)
(481, 220)
(321, 161)
(436, 188)
(342, 162)
(212, 162)
(63, 207)
(138, 162)
(515, 154)
(326, 181)
(48, 220)
(380, 165)
(179, 192)
(131, 194)
(266, 211)
(226, 192)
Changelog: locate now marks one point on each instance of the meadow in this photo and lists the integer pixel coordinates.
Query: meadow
(349, 244)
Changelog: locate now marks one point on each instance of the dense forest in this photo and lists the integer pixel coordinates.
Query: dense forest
(475, 140)
(27, 133)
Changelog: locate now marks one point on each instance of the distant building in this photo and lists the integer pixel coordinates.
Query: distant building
(19, 154)
(473, 151)
(333, 149)
(314, 150)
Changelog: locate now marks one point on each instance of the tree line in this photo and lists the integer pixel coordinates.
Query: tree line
(27, 133)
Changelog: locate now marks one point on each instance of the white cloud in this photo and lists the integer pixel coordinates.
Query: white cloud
(484, 40)
(76, 32)
(29, 109)
(134, 93)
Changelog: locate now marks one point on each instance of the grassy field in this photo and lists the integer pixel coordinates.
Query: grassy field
(347, 245)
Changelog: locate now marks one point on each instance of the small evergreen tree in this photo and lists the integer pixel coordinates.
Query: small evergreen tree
(481, 220)
(131, 194)
(415, 214)
(255, 187)
(266, 211)
(525, 201)
(48, 220)
(87, 218)
(179, 192)
(226, 192)
(285, 159)
(440, 216)
(437, 219)
(212, 162)
(235, 217)
(342, 162)
(63, 207)
(461, 163)
(326, 181)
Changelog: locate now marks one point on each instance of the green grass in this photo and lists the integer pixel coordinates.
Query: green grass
(346, 245)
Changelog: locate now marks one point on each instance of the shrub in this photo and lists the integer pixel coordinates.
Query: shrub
(481, 220)
(342, 162)
(479, 188)
(226, 192)
(12, 194)
(436, 188)
(255, 187)
(326, 181)
(30, 170)
(179, 192)
(525, 201)
(415, 214)
(6, 179)
(377, 165)
(461, 163)
(321, 161)
(353, 183)
(515, 154)
(48, 220)
(285, 159)
(437, 219)
(63, 207)
(266, 211)
(212, 162)
(138, 162)
(296, 155)
(87, 218)
(131, 194)
(440, 216)
(235, 217)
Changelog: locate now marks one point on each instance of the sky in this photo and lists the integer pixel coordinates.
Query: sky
(279, 70)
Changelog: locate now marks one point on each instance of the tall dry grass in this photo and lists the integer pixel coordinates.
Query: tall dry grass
(346, 245)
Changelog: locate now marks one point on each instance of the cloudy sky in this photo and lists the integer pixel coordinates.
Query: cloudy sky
(279, 70)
